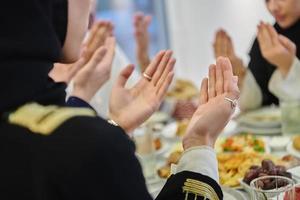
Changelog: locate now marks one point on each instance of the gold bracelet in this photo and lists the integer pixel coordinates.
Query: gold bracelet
(112, 122)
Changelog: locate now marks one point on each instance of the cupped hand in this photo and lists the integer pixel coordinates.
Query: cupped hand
(131, 107)
(223, 46)
(276, 49)
(96, 72)
(214, 111)
(141, 24)
(96, 38)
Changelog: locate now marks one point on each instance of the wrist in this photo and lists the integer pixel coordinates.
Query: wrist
(285, 68)
(117, 122)
(82, 94)
(196, 141)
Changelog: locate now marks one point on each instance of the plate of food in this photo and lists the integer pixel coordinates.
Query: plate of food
(160, 146)
(175, 130)
(260, 130)
(233, 167)
(243, 142)
(294, 147)
(183, 90)
(267, 117)
(265, 169)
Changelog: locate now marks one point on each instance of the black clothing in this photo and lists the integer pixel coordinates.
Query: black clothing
(31, 38)
(84, 158)
(262, 70)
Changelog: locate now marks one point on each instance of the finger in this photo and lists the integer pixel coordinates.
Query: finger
(162, 65)
(223, 43)
(212, 81)
(93, 32)
(204, 91)
(99, 38)
(137, 20)
(273, 34)
(287, 43)
(218, 44)
(167, 70)
(227, 73)
(219, 77)
(110, 44)
(148, 20)
(154, 63)
(96, 58)
(165, 86)
(230, 49)
(124, 76)
(76, 67)
(265, 37)
(110, 29)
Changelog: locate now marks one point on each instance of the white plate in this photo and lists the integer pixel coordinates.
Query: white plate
(169, 131)
(268, 117)
(165, 148)
(260, 131)
(231, 194)
(158, 117)
(291, 150)
(295, 173)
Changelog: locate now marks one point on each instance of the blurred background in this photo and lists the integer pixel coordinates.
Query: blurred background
(187, 27)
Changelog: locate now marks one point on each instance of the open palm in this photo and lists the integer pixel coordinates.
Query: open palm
(214, 110)
(131, 107)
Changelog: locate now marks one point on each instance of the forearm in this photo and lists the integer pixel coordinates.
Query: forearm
(286, 87)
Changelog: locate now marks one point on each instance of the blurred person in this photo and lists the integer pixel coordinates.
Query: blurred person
(100, 101)
(179, 109)
(141, 23)
(56, 152)
(99, 31)
(274, 66)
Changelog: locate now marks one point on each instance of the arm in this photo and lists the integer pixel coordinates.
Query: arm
(197, 171)
(142, 39)
(78, 15)
(285, 88)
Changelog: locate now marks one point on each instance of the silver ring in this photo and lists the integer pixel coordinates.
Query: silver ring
(146, 76)
(232, 102)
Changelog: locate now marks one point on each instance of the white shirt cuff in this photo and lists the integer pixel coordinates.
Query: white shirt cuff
(286, 88)
(202, 159)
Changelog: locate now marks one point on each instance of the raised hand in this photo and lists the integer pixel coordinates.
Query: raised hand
(276, 49)
(66, 72)
(218, 97)
(141, 24)
(131, 107)
(96, 72)
(97, 36)
(99, 33)
(223, 46)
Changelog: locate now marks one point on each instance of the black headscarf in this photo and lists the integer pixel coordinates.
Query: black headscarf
(263, 70)
(31, 38)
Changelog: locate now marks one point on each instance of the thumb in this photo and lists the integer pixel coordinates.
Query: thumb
(287, 43)
(124, 75)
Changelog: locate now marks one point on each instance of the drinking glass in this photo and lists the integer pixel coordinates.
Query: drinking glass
(279, 188)
(290, 117)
